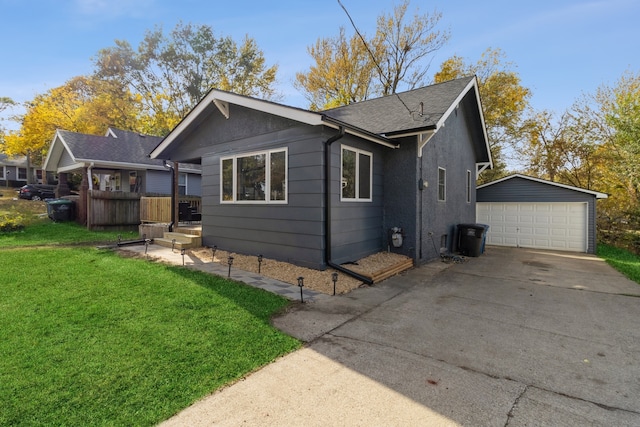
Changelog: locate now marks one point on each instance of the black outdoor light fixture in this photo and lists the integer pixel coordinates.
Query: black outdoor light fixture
(259, 263)
(146, 245)
(230, 262)
(182, 251)
(334, 278)
(301, 284)
(213, 253)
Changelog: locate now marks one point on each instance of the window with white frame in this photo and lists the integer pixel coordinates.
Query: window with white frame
(182, 184)
(356, 171)
(442, 184)
(468, 186)
(22, 174)
(259, 177)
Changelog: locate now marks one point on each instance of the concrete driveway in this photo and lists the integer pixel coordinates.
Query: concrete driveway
(515, 337)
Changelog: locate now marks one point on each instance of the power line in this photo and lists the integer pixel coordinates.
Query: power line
(373, 58)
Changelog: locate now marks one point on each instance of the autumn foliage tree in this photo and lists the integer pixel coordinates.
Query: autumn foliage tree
(83, 104)
(171, 73)
(352, 69)
(504, 101)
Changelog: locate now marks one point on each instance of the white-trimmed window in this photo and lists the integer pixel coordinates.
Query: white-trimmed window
(22, 174)
(259, 177)
(182, 184)
(468, 186)
(356, 171)
(442, 184)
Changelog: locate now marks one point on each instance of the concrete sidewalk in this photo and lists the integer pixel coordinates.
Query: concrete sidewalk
(515, 337)
(168, 255)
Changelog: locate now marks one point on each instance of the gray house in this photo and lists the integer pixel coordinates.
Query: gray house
(325, 188)
(14, 171)
(115, 167)
(523, 211)
(118, 161)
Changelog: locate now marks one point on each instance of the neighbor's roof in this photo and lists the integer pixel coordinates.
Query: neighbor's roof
(597, 194)
(20, 161)
(117, 149)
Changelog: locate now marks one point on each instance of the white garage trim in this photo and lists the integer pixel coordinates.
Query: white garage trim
(559, 226)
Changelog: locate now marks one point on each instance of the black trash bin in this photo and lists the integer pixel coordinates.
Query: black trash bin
(471, 239)
(60, 210)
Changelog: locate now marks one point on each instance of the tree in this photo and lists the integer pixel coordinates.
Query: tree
(83, 104)
(503, 97)
(354, 69)
(170, 74)
(342, 73)
(5, 102)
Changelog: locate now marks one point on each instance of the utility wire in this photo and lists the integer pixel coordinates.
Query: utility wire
(373, 58)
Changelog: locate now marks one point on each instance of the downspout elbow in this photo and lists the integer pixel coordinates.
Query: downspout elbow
(327, 215)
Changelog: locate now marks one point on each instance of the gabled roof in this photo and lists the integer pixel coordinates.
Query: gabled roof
(118, 149)
(378, 120)
(20, 161)
(401, 113)
(597, 194)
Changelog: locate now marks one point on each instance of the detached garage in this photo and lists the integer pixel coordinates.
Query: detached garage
(522, 211)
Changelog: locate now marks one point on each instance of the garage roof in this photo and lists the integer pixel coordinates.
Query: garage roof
(597, 194)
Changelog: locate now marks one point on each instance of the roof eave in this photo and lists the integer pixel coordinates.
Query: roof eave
(597, 194)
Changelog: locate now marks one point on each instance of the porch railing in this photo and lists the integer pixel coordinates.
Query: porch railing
(158, 209)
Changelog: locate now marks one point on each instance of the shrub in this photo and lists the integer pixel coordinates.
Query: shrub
(11, 221)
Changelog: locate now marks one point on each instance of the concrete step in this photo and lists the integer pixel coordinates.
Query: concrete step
(168, 243)
(181, 237)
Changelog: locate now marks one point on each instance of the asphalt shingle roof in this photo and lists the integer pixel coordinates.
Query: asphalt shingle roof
(128, 147)
(398, 113)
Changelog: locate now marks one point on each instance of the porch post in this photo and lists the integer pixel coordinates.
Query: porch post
(174, 192)
(63, 185)
(83, 199)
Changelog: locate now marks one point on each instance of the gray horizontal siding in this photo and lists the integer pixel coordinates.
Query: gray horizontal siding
(291, 232)
(526, 191)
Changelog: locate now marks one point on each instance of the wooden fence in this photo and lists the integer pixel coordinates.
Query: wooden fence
(158, 209)
(113, 210)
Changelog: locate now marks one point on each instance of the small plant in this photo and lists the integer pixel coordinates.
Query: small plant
(11, 221)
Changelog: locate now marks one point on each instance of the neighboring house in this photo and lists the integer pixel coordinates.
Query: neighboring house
(528, 212)
(118, 161)
(118, 164)
(325, 188)
(13, 171)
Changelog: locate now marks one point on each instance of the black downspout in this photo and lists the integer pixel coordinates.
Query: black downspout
(327, 211)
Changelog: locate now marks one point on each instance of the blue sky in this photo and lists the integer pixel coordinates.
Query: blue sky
(561, 49)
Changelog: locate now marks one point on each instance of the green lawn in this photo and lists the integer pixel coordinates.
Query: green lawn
(90, 338)
(622, 260)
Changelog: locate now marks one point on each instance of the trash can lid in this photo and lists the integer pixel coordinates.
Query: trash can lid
(60, 202)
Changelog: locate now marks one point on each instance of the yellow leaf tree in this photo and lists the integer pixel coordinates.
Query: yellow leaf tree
(83, 104)
(504, 100)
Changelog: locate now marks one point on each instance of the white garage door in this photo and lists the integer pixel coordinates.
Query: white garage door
(554, 226)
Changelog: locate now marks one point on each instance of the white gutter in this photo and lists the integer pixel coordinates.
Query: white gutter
(90, 176)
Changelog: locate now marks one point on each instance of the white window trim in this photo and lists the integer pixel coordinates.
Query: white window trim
(444, 198)
(357, 176)
(468, 186)
(186, 183)
(267, 183)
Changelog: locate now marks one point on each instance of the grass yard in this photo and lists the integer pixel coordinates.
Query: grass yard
(90, 338)
(45, 232)
(622, 260)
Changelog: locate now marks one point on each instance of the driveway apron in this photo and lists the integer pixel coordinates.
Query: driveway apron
(515, 337)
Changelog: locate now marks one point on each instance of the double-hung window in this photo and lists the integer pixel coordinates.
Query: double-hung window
(442, 184)
(356, 172)
(259, 177)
